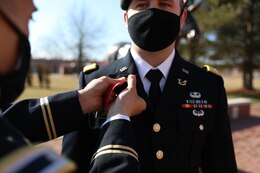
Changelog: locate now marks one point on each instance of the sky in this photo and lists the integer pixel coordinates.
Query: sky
(48, 23)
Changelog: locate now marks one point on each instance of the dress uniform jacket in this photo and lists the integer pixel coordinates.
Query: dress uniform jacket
(48, 118)
(189, 130)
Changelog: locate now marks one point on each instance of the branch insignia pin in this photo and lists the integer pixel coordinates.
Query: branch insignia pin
(182, 82)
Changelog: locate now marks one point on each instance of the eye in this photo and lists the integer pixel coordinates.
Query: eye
(141, 6)
(165, 4)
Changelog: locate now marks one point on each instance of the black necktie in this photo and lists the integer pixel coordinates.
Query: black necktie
(154, 76)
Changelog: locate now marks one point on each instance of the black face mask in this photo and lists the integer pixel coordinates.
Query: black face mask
(154, 29)
(12, 84)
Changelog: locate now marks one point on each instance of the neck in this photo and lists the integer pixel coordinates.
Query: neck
(154, 58)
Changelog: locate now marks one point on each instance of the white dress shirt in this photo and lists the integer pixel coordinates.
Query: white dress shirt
(144, 67)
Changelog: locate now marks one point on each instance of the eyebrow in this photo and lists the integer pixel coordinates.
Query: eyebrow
(140, 0)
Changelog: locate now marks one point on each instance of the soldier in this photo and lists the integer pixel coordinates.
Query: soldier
(185, 127)
(37, 120)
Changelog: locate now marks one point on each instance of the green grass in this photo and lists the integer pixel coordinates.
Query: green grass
(234, 89)
(58, 84)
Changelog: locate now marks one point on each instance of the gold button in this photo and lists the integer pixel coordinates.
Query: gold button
(159, 154)
(156, 127)
(201, 127)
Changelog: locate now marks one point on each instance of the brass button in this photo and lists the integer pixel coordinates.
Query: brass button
(159, 154)
(201, 127)
(156, 127)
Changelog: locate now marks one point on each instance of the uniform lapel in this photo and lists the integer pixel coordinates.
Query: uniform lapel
(127, 66)
(177, 82)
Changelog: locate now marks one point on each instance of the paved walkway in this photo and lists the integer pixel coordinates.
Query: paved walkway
(246, 137)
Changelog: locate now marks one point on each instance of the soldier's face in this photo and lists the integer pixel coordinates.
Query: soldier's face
(173, 6)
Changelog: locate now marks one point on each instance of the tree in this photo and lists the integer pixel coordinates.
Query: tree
(75, 35)
(235, 27)
(82, 33)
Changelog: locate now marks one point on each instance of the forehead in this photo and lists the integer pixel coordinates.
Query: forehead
(170, 1)
(18, 11)
(14, 5)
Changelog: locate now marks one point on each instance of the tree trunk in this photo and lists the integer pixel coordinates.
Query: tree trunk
(80, 57)
(193, 51)
(248, 63)
(248, 77)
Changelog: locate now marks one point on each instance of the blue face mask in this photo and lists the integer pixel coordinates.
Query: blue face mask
(154, 29)
(12, 84)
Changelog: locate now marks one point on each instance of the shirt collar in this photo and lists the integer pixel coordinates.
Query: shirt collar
(143, 67)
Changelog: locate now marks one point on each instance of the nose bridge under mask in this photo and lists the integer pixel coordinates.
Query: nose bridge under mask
(154, 29)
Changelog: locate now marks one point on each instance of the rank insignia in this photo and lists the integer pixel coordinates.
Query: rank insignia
(123, 69)
(185, 71)
(211, 69)
(90, 68)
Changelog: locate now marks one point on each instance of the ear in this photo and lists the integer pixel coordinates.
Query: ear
(126, 19)
(183, 17)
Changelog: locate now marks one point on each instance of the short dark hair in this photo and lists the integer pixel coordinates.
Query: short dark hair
(125, 4)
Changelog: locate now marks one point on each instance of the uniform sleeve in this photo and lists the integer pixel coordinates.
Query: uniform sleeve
(46, 118)
(218, 155)
(116, 149)
(75, 146)
(35, 159)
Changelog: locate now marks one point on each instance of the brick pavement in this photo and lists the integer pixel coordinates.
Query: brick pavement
(246, 137)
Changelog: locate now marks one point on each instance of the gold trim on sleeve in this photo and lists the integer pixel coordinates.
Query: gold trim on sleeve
(45, 119)
(50, 118)
(114, 152)
(117, 147)
(111, 149)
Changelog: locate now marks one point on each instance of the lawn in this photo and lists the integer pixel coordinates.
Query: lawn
(58, 83)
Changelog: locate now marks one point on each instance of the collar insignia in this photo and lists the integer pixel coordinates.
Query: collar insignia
(185, 71)
(123, 69)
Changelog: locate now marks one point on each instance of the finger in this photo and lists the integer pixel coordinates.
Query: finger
(114, 81)
(131, 81)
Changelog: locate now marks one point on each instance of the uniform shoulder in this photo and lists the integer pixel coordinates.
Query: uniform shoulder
(211, 70)
(90, 68)
(94, 70)
(206, 72)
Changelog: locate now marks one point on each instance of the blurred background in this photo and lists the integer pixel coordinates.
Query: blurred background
(66, 35)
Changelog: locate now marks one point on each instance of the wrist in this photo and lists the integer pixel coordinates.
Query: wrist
(82, 101)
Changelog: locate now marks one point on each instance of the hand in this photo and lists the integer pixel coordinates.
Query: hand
(127, 102)
(91, 97)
